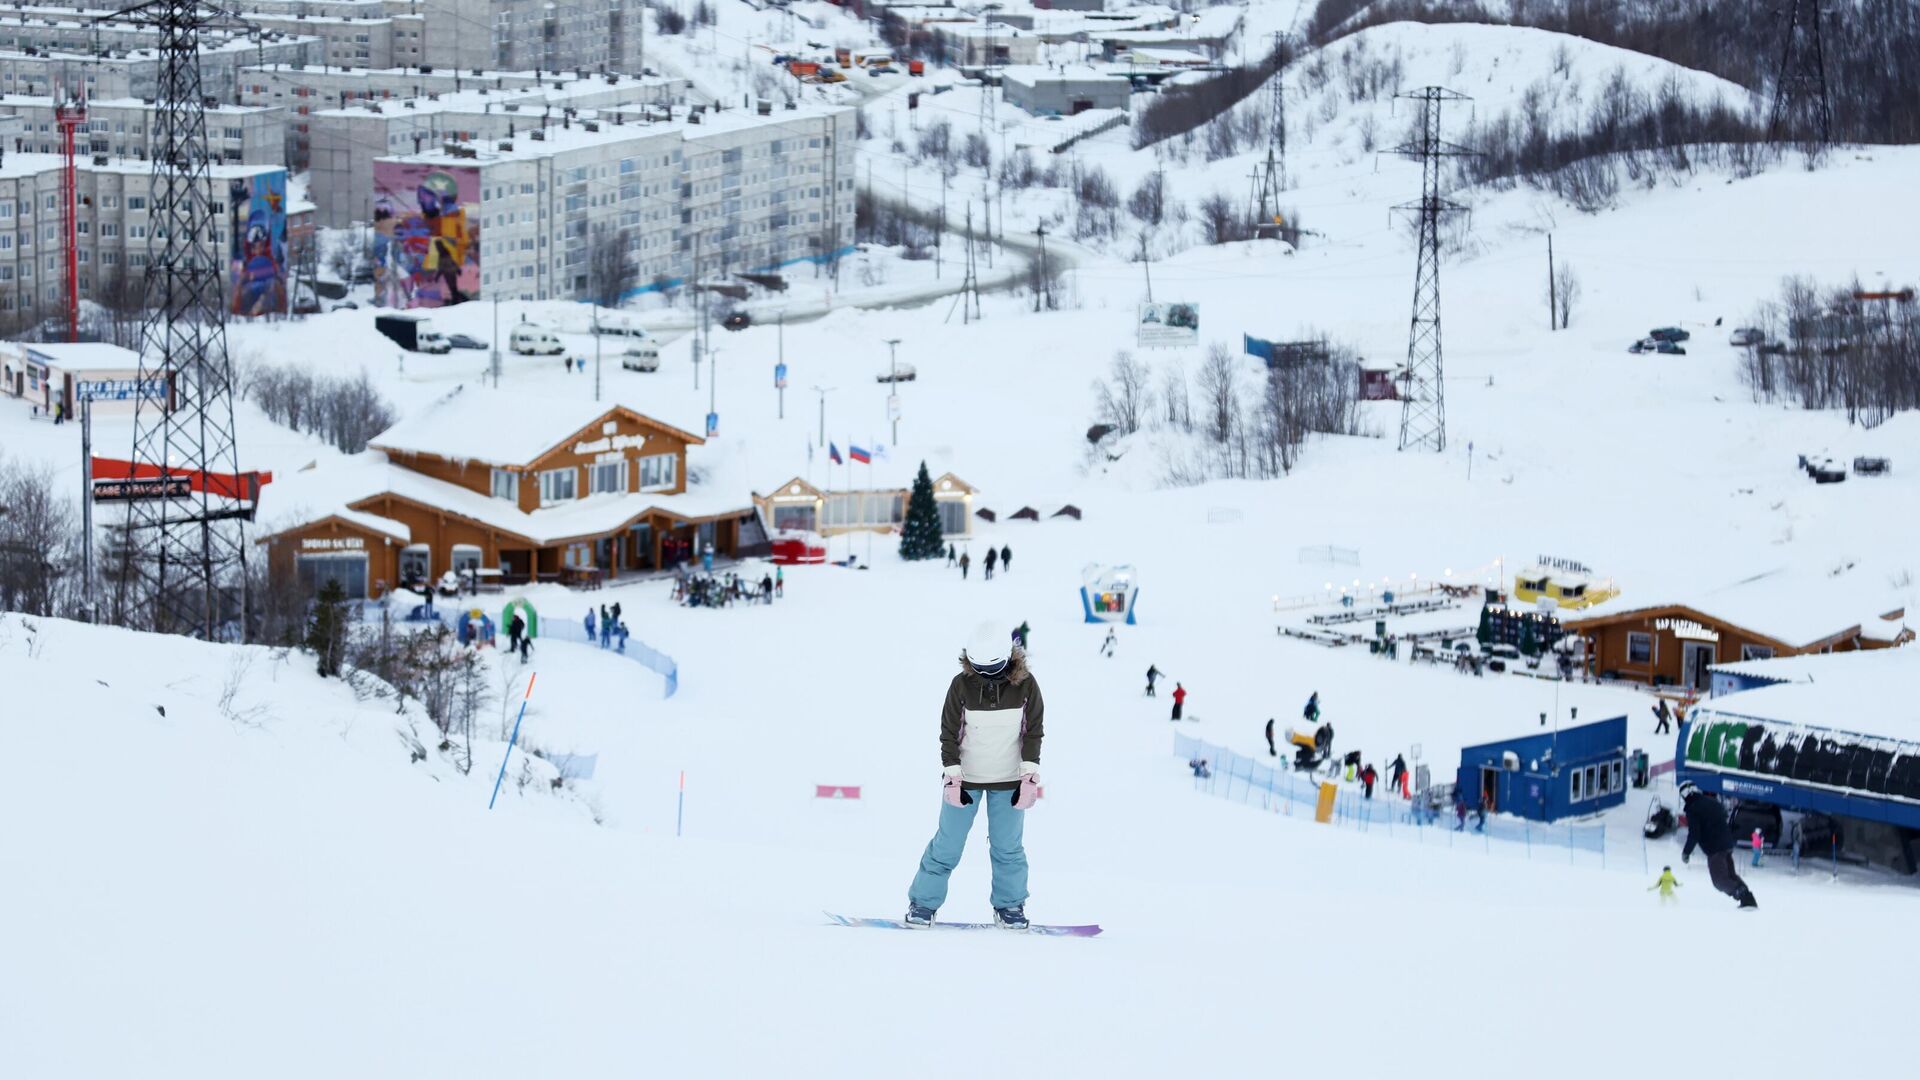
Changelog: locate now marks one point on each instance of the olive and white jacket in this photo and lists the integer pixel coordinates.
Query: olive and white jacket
(991, 724)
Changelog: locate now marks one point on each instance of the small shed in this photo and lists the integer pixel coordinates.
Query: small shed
(1571, 772)
(1026, 513)
(1068, 510)
(985, 514)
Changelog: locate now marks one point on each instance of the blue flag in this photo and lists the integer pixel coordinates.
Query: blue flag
(833, 453)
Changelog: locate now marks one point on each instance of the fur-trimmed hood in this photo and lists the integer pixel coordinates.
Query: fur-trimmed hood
(1015, 674)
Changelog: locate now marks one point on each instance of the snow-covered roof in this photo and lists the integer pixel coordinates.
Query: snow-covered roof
(476, 424)
(330, 490)
(1036, 74)
(1872, 693)
(1792, 605)
(1830, 667)
(86, 355)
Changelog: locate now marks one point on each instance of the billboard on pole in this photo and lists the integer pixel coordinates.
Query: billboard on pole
(1169, 325)
(426, 234)
(257, 244)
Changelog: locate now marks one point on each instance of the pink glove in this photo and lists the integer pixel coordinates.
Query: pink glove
(953, 791)
(1028, 792)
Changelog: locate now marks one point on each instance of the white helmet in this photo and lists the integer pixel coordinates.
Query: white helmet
(988, 647)
(1688, 789)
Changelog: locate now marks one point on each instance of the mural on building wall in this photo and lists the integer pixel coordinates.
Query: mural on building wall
(257, 260)
(426, 234)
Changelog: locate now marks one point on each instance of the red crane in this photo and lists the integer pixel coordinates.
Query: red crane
(71, 115)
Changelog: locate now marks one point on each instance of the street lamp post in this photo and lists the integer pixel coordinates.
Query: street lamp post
(893, 384)
(823, 391)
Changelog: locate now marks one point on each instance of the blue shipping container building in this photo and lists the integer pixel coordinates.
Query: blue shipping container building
(1549, 776)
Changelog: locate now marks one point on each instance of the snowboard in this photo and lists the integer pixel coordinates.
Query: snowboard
(1035, 928)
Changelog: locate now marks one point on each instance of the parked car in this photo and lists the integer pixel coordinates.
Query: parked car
(529, 339)
(738, 320)
(1744, 336)
(1823, 469)
(1670, 347)
(462, 341)
(1644, 345)
(1668, 333)
(899, 373)
(640, 358)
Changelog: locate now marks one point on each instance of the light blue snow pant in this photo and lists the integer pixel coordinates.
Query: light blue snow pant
(1004, 828)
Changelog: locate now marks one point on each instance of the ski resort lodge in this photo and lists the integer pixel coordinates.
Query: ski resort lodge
(1571, 772)
(798, 506)
(513, 491)
(1769, 615)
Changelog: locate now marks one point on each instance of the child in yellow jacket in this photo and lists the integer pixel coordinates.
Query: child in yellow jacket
(1666, 884)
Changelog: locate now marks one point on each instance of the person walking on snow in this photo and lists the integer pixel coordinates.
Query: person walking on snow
(1367, 778)
(951, 554)
(991, 727)
(1707, 830)
(1759, 841)
(606, 627)
(616, 613)
(1662, 718)
(1271, 752)
(780, 581)
(992, 557)
(965, 561)
(1006, 558)
(1106, 647)
(1397, 772)
(1666, 885)
(1179, 699)
(1152, 674)
(590, 624)
(515, 627)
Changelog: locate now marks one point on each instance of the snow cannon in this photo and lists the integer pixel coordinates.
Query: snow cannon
(1108, 594)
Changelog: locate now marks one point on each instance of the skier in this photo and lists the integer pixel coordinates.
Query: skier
(992, 557)
(1367, 778)
(965, 561)
(1152, 674)
(1662, 718)
(1179, 699)
(1006, 558)
(515, 628)
(991, 727)
(1707, 830)
(1312, 712)
(1106, 647)
(1271, 752)
(1397, 772)
(1666, 885)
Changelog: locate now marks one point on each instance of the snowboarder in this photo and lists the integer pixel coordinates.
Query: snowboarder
(1662, 718)
(1312, 712)
(1271, 752)
(1666, 885)
(1707, 830)
(1152, 674)
(965, 561)
(991, 727)
(1179, 699)
(1106, 647)
(951, 554)
(1367, 778)
(1006, 558)
(992, 557)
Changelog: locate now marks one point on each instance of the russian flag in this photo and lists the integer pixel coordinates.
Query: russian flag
(859, 455)
(833, 454)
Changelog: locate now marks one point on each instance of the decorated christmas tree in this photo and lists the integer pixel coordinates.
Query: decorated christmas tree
(920, 538)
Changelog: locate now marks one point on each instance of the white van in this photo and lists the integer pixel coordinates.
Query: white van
(531, 340)
(640, 358)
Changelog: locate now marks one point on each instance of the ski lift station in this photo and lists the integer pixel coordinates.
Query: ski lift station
(1571, 772)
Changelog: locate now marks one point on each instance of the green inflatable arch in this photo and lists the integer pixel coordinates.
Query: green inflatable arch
(520, 604)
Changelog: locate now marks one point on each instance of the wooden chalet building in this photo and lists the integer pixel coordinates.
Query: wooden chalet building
(876, 506)
(509, 489)
(1771, 615)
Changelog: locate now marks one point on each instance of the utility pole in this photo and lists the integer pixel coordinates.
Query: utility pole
(496, 341)
(1044, 283)
(823, 391)
(970, 289)
(713, 391)
(86, 502)
(781, 361)
(1423, 414)
(893, 385)
(940, 230)
(699, 304)
(1553, 320)
(1146, 261)
(596, 350)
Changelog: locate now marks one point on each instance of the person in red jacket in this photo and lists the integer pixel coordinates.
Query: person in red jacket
(1368, 777)
(1179, 699)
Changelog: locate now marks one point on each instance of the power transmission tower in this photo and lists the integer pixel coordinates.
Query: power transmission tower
(1423, 411)
(188, 553)
(1801, 109)
(1045, 285)
(1269, 176)
(970, 288)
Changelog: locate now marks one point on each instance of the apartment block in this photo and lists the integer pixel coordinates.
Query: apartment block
(126, 128)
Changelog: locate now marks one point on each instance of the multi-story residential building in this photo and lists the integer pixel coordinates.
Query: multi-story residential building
(259, 232)
(135, 72)
(701, 194)
(591, 35)
(126, 127)
(342, 143)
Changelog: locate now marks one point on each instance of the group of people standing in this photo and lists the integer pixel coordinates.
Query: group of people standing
(609, 629)
(1001, 557)
(710, 590)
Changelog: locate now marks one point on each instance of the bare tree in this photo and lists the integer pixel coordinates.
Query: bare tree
(39, 542)
(1173, 392)
(1220, 217)
(1125, 399)
(1219, 393)
(611, 270)
(1148, 203)
(1566, 292)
